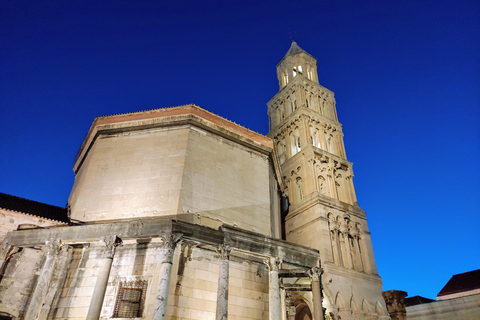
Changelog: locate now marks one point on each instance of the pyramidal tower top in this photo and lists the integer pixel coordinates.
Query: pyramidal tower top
(296, 62)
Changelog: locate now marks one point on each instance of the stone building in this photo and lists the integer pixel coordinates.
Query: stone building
(19, 213)
(458, 299)
(178, 213)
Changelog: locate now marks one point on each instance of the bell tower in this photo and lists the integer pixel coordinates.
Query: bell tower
(324, 213)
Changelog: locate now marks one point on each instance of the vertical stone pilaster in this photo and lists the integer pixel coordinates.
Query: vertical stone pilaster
(98, 295)
(274, 288)
(58, 279)
(169, 242)
(51, 249)
(222, 291)
(315, 276)
(291, 311)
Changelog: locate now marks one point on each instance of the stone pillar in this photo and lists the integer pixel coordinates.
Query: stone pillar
(395, 301)
(315, 276)
(274, 289)
(169, 243)
(98, 295)
(51, 249)
(290, 307)
(222, 291)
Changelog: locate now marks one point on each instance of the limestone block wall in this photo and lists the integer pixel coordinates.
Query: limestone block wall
(131, 174)
(193, 286)
(10, 220)
(185, 171)
(19, 281)
(224, 182)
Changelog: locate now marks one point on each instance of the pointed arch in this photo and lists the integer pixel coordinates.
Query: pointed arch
(339, 301)
(353, 304)
(379, 309)
(366, 307)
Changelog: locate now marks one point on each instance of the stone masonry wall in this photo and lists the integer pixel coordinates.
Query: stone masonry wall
(193, 286)
(19, 281)
(184, 171)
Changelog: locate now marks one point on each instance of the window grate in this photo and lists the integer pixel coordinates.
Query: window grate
(130, 299)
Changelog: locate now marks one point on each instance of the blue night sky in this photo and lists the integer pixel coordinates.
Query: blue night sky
(406, 76)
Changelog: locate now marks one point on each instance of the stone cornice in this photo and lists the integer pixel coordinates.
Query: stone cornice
(238, 240)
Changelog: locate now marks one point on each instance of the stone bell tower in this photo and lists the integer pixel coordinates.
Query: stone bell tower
(324, 213)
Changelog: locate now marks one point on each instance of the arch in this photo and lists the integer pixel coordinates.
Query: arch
(353, 304)
(302, 310)
(5, 316)
(321, 185)
(339, 302)
(379, 309)
(366, 307)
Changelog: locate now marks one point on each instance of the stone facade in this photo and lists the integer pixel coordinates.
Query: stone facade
(180, 214)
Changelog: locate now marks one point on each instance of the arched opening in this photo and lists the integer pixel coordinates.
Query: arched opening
(302, 311)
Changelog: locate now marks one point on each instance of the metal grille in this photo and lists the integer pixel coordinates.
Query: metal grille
(130, 299)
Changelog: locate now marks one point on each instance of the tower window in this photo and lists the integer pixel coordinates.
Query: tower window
(294, 71)
(130, 299)
(300, 70)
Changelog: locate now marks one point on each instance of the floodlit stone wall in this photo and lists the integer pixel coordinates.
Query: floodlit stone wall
(181, 171)
(193, 286)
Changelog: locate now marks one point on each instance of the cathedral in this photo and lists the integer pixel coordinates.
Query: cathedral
(177, 213)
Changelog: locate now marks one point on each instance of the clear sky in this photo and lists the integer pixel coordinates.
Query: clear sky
(406, 76)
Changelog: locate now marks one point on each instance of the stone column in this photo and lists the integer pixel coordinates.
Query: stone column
(98, 295)
(346, 242)
(358, 253)
(395, 301)
(51, 249)
(274, 289)
(315, 275)
(222, 291)
(283, 306)
(169, 243)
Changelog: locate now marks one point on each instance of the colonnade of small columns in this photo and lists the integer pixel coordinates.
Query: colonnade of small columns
(322, 102)
(349, 246)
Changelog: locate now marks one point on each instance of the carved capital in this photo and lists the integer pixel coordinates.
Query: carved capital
(272, 263)
(315, 273)
(224, 251)
(169, 241)
(52, 247)
(291, 311)
(111, 242)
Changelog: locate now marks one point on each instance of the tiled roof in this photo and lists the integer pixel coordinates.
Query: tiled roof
(461, 282)
(413, 301)
(35, 208)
